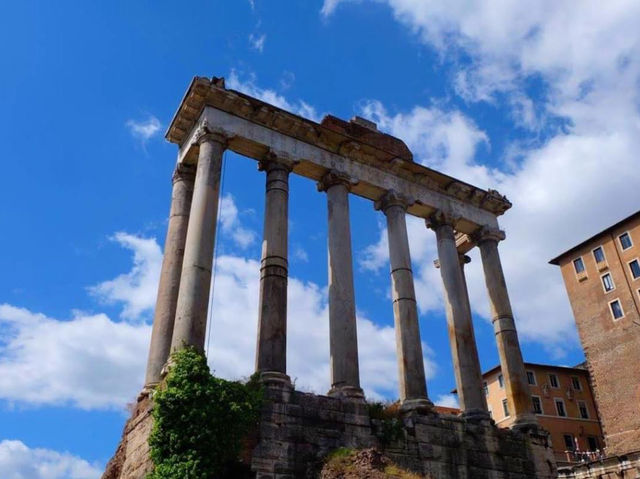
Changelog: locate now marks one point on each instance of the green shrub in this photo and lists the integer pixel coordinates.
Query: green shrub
(200, 421)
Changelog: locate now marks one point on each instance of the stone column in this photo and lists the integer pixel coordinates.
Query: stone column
(511, 362)
(413, 385)
(169, 285)
(271, 350)
(466, 363)
(343, 335)
(195, 282)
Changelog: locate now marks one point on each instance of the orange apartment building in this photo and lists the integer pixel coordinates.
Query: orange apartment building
(563, 402)
(602, 278)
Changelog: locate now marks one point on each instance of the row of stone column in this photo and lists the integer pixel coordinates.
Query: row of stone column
(185, 282)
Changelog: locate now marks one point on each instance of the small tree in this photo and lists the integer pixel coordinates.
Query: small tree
(200, 420)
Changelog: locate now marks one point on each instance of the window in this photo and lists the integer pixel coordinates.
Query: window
(616, 309)
(562, 412)
(490, 413)
(598, 254)
(634, 266)
(575, 382)
(485, 386)
(501, 380)
(568, 442)
(531, 378)
(584, 412)
(553, 380)
(607, 283)
(592, 442)
(578, 264)
(625, 241)
(537, 404)
(505, 408)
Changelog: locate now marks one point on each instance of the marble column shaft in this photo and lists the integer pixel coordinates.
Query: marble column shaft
(343, 336)
(412, 382)
(195, 283)
(466, 362)
(511, 362)
(271, 351)
(167, 299)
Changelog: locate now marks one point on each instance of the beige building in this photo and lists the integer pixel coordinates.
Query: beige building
(563, 403)
(602, 278)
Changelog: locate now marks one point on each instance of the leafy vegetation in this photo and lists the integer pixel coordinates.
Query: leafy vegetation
(387, 422)
(200, 421)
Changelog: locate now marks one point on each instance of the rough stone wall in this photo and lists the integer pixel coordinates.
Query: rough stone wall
(299, 429)
(131, 460)
(616, 467)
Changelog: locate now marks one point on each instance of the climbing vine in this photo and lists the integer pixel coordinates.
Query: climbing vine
(200, 421)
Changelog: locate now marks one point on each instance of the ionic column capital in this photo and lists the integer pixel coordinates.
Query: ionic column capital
(333, 178)
(442, 218)
(276, 161)
(205, 132)
(183, 172)
(392, 198)
(488, 234)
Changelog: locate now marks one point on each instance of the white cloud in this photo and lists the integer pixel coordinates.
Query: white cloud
(144, 130)
(87, 361)
(136, 290)
(300, 254)
(447, 400)
(257, 41)
(17, 461)
(231, 224)
(249, 87)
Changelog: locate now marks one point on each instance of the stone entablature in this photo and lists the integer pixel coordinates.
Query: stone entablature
(254, 127)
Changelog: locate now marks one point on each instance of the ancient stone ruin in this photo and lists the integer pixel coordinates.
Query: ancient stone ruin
(342, 157)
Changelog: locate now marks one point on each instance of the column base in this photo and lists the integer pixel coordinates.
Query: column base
(275, 379)
(351, 393)
(147, 390)
(419, 406)
(476, 415)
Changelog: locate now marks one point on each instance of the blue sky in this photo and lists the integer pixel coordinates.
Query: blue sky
(520, 98)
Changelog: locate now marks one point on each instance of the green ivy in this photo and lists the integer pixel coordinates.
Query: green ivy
(200, 421)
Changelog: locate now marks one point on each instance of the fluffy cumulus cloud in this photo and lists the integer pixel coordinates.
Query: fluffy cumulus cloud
(91, 361)
(136, 289)
(232, 225)
(583, 175)
(18, 461)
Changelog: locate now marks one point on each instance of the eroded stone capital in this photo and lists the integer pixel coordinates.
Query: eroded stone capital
(184, 172)
(442, 218)
(333, 178)
(206, 132)
(276, 161)
(392, 198)
(488, 234)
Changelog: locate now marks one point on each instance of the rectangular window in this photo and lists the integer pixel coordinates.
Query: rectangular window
(607, 283)
(584, 412)
(575, 382)
(562, 412)
(578, 264)
(537, 404)
(485, 387)
(505, 408)
(553, 380)
(634, 266)
(592, 442)
(501, 380)
(531, 378)
(616, 309)
(568, 442)
(625, 241)
(598, 254)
